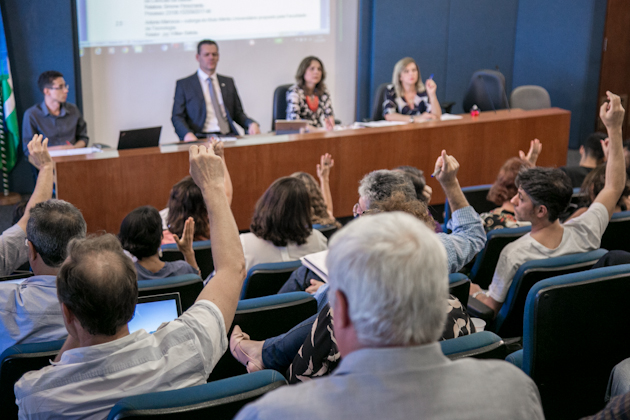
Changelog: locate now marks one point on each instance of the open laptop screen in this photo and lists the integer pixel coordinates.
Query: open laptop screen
(152, 311)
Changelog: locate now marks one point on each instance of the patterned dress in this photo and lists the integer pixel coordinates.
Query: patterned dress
(297, 108)
(500, 218)
(393, 103)
(319, 354)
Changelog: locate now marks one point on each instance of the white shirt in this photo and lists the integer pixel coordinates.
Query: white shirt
(259, 251)
(13, 251)
(582, 234)
(88, 381)
(212, 124)
(30, 312)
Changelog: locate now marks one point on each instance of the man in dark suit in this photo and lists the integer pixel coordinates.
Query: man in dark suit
(206, 102)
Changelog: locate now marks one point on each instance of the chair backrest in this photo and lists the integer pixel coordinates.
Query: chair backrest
(487, 259)
(279, 104)
(15, 362)
(459, 286)
(486, 90)
(617, 233)
(481, 345)
(377, 104)
(327, 230)
(203, 255)
(188, 286)
(267, 279)
(572, 338)
(216, 400)
(529, 97)
(476, 196)
(263, 318)
(509, 320)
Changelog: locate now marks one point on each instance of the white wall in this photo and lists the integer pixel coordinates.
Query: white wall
(135, 90)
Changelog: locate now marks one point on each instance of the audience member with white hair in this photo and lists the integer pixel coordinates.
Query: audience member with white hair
(388, 279)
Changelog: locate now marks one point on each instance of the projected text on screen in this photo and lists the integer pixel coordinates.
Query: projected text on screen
(138, 22)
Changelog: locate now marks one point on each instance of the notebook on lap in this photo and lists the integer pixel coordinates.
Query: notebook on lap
(152, 311)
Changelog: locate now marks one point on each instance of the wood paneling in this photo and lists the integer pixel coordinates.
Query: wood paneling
(107, 186)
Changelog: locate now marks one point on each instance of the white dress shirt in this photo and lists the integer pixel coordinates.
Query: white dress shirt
(212, 124)
(88, 381)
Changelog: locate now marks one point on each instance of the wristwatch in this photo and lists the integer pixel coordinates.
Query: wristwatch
(411, 119)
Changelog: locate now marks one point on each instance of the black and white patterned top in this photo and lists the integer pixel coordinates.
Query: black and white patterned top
(297, 108)
(319, 355)
(394, 103)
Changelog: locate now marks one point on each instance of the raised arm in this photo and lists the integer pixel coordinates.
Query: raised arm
(446, 168)
(612, 113)
(224, 289)
(436, 109)
(326, 162)
(219, 150)
(40, 158)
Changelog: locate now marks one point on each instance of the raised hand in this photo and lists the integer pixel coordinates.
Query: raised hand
(446, 168)
(535, 147)
(206, 168)
(326, 162)
(612, 112)
(38, 152)
(431, 86)
(185, 244)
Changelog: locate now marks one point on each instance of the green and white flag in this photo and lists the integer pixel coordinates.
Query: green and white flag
(9, 131)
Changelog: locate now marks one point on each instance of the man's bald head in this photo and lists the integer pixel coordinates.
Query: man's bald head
(98, 284)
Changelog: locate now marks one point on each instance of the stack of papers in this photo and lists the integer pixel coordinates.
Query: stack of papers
(317, 263)
(382, 123)
(74, 152)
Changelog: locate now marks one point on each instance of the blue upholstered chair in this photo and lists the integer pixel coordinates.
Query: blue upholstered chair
(279, 104)
(15, 362)
(487, 259)
(188, 286)
(617, 233)
(509, 320)
(327, 230)
(203, 255)
(459, 286)
(267, 279)
(215, 400)
(481, 345)
(573, 335)
(486, 89)
(476, 196)
(530, 97)
(263, 318)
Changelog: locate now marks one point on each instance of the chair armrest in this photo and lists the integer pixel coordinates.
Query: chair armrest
(478, 309)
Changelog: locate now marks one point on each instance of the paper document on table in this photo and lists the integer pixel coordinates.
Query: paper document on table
(317, 263)
(74, 152)
(448, 117)
(382, 123)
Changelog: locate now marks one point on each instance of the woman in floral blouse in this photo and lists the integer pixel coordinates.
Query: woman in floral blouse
(409, 100)
(309, 99)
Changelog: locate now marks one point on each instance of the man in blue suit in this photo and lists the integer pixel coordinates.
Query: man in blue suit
(206, 102)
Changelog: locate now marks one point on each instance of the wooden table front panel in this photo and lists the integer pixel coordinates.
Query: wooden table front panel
(106, 189)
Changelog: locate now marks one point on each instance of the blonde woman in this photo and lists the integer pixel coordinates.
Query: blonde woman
(408, 99)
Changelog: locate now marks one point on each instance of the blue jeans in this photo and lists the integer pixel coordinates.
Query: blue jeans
(278, 352)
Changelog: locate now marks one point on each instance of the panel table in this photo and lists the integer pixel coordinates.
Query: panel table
(106, 186)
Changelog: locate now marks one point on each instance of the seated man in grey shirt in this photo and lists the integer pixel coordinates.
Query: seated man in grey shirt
(388, 278)
(55, 118)
(30, 310)
(13, 253)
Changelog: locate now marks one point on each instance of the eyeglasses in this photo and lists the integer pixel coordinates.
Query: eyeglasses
(357, 210)
(60, 87)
